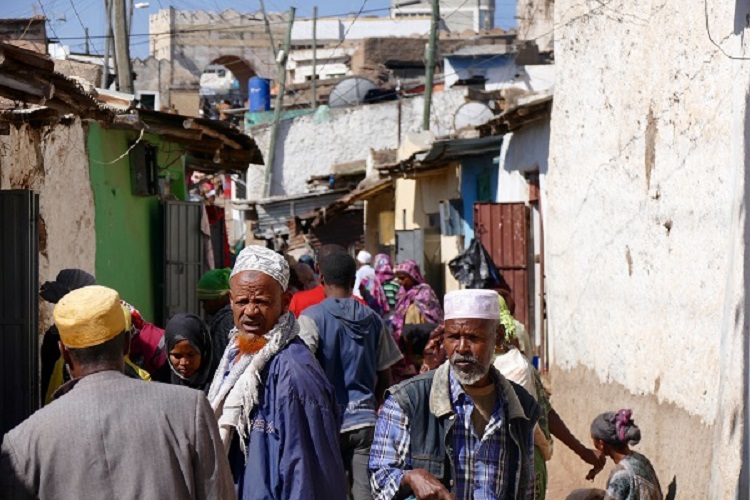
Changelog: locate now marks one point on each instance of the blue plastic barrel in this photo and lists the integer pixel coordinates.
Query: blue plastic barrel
(260, 94)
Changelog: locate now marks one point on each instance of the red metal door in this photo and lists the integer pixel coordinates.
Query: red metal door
(503, 230)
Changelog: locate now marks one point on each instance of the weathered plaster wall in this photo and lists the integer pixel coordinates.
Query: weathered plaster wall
(645, 227)
(128, 245)
(308, 146)
(52, 162)
(417, 198)
(536, 21)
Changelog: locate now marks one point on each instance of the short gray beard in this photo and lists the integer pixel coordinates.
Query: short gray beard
(474, 375)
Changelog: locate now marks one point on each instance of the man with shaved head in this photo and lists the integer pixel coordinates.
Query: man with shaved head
(277, 411)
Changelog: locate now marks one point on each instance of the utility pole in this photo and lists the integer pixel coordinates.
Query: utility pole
(122, 49)
(281, 61)
(268, 29)
(314, 83)
(105, 66)
(131, 7)
(430, 64)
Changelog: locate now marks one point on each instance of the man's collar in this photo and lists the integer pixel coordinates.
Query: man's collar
(442, 388)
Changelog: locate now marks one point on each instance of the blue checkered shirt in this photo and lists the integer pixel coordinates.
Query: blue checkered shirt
(484, 467)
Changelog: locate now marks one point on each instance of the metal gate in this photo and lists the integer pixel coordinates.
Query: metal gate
(19, 283)
(183, 257)
(503, 229)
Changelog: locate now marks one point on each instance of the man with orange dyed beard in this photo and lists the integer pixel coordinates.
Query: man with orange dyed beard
(277, 411)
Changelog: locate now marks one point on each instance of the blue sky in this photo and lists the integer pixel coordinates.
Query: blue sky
(70, 16)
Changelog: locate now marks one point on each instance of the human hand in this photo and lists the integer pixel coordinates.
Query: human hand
(425, 486)
(594, 458)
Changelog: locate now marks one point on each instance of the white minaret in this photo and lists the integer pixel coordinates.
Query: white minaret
(458, 15)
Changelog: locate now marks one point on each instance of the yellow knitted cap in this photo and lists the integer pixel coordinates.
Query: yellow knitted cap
(89, 316)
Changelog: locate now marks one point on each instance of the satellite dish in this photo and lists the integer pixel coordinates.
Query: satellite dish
(350, 92)
(472, 114)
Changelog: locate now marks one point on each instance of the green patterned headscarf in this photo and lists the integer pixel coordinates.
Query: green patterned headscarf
(214, 284)
(506, 319)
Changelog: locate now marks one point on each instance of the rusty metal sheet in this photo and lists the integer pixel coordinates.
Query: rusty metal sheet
(503, 230)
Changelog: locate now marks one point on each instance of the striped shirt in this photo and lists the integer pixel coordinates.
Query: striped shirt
(391, 289)
(483, 464)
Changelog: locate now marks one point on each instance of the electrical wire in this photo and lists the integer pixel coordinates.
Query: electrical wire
(82, 26)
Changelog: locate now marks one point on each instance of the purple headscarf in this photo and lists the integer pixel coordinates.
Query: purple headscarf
(384, 268)
(420, 294)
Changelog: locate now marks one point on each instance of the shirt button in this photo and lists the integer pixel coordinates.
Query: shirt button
(451, 482)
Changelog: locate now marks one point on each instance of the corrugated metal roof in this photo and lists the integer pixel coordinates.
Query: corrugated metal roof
(274, 214)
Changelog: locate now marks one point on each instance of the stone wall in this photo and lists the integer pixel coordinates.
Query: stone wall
(52, 161)
(645, 230)
(309, 145)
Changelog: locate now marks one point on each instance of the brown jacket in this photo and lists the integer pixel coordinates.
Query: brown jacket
(116, 437)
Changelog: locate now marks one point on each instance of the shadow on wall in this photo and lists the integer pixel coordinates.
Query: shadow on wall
(741, 16)
(672, 490)
(743, 482)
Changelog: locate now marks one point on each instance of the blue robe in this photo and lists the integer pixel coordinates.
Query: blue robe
(293, 447)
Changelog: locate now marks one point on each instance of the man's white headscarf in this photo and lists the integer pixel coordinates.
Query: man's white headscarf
(235, 396)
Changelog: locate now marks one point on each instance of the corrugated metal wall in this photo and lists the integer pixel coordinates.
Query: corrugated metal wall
(19, 282)
(183, 257)
(503, 229)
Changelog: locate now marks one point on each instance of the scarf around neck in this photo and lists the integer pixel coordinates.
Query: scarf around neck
(235, 397)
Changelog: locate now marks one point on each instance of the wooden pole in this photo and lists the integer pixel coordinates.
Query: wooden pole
(430, 65)
(314, 83)
(277, 109)
(268, 29)
(122, 49)
(105, 66)
(86, 31)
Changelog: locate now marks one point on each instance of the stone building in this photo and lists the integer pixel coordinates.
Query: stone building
(458, 15)
(184, 43)
(647, 234)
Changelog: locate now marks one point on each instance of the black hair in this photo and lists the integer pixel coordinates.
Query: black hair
(339, 269)
(294, 280)
(110, 351)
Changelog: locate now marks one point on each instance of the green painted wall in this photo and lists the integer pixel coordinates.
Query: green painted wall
(128, 227)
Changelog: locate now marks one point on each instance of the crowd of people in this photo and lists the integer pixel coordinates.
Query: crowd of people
(325, 378)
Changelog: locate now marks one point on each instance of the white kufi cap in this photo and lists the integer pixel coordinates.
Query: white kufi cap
(264, 260)
(364, 257)
(472, 304)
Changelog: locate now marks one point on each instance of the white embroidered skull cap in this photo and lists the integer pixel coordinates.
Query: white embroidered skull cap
(264, 260)
(472, 304)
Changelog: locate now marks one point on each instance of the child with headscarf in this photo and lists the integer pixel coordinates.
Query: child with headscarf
(189, 352)
(387, 278)
(634, 477)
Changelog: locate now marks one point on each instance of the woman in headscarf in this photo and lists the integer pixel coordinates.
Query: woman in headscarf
(189, 352)
(416, 304)
(387, 278)
(634, 477)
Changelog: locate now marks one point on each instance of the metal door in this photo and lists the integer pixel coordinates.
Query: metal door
(19, 283)
(183, 257)
(503, 229)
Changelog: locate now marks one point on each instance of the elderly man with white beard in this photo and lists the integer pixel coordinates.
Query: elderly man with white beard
(277, 411)
(461, 431)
